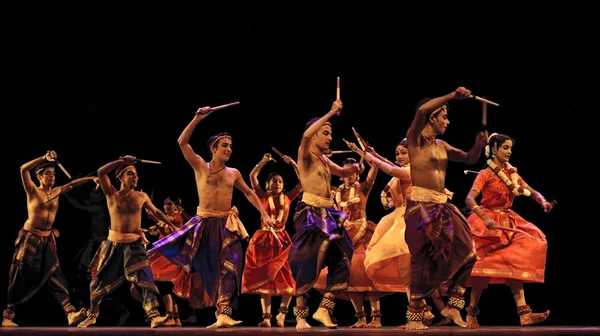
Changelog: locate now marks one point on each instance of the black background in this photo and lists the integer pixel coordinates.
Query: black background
(95, 81)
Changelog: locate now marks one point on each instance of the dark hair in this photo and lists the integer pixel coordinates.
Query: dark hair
(497, 140)
(425, 100)
(120, 169)
(213, 138)
(39, 169)
(175, 200)
(404, 143)
(349, 161)
(314, 120)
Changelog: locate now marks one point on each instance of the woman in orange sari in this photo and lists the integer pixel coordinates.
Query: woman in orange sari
(510, 250)
(267, 271)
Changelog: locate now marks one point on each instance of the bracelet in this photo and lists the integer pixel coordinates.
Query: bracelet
(475, 207)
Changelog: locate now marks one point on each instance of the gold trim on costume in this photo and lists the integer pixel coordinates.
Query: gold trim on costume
(122, 237)
(420, 194)
(316, 200)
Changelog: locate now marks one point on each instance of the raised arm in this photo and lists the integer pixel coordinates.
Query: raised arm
(254, 174)
(103, 178)
(387, 168)
(304, 150)
(192, 158)
(25, 169)
(241, 185)
(425, 110)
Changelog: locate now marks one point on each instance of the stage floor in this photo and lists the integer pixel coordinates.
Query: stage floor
(247, 331)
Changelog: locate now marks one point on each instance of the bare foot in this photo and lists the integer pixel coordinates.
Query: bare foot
(177, 322)
(160, 321)
(76, 317)
(416, 325)
(454, 315)
(8, 324)
(428, 318)
(87, 322)
(402, 326)
(170, 321)
(322, 315)
(280, 319)
(223, 321)
(527, 319)
(472, 322)
(266, 323)
(361, 323)
(375, 323)
(302, 324)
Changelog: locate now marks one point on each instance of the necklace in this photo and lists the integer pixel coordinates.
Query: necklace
(351, 194)
(48, 195)
(431, 140)
(281, 207)
(512, 185)
(125, 198)
(211, 173)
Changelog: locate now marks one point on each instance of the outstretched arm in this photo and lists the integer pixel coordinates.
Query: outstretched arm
(152, 209)
(241, 185)
(192, 158)
(387, 168)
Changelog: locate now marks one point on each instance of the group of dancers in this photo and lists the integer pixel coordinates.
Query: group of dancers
(425, 247)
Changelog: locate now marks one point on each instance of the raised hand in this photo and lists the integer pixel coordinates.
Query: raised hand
(204, 110)
(50, 155)
(462, 93)
(336, 107)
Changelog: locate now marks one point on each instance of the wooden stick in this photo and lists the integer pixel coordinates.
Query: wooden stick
(224, 106)
(276, 237)
(63, 169)
(276, 151)
(337, 91)
(484, 100)
(147, 161)
(484, 114)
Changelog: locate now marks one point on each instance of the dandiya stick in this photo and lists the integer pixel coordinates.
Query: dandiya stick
(224, 106)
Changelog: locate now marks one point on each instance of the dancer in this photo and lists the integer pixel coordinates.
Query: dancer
(320, 239)
(35, 263)
(510, 250)
(437, 233)
(351, 198)
(122, 256)
(267, 270)
(204, 257)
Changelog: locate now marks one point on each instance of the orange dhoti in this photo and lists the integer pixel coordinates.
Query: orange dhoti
(506, 255)
(387, 261)
(360, 232)
(267, 270)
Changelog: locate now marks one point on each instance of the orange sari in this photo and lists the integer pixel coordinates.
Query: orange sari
(505, 255)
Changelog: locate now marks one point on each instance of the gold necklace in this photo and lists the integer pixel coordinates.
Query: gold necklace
(211, 173)
(48, 195)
